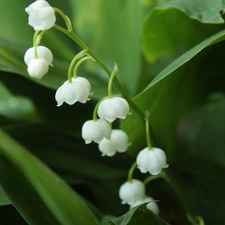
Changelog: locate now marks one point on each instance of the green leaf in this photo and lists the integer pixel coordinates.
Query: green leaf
(205, 11)
(15, 107)
(4, 200)
(139, 215)
(168, 98)
(203, 134)
(163, 35)
(54, 201)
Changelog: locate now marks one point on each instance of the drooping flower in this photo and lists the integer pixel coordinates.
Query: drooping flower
(37, 68)
(41, 15)
(77, 91)
(42, 52)
(118, 143)
(112, 108)
(131, 192)
(151, 160)
(95, 131)
(152, 205)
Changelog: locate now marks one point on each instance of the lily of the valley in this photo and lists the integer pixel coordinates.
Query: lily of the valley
(37, 68)
(41, 15)
(113, 108)
(95, 131)
(42, 52)
(151, 160)
(38, 65)
(118, 143)
(152, 205)
(76, 91)
(131, 192)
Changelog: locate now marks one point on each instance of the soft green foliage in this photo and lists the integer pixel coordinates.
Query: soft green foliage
(170, 56)
(138, 215)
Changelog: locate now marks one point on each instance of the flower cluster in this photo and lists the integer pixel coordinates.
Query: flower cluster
(78, 89)
(133, 193)
(109, 140)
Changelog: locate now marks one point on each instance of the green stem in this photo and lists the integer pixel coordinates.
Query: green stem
(79, 63)
(131, 171)
(72, 64)
(95, 114)
(34, 43)
(113, 75)
(151, 178)
(196, 220)
(103, 66)
(65, 18)
(148, 139)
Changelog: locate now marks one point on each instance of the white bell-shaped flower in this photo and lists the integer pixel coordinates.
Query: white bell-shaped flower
(112, 108)
(95, 131)
(42, 52)
(152, 205)
(151, 160)
(41, 15)
(131, 192)
(77, 91)
(37, 68)
(118, 143)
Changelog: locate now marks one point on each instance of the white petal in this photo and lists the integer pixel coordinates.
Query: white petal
(37, 68)
(95, 131)
(107, 147)
(142, 160)
(42, 52)
(130, 192)
(120, 139)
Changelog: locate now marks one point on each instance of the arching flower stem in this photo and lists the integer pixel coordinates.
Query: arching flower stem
(95, 112)
(103, 66)
(37, 40)
(65, 18)
(113, 75)
(162, 175)
(131, 171)
(148, 139)
(79, 63)
(72, 64)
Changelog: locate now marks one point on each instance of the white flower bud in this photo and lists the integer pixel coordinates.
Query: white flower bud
(118, 143)
(42, 52)
(152, 205)
(151, 160)
(77, 91)
(37, 68)
(41, 15)
(131, 192)
(95, 131)
(112, 108)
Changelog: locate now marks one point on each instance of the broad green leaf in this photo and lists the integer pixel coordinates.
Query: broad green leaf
(163, 35)
(42, 185)
(139, 215)
(15, 107)
(203, 134)
(168, 98)
(112, 30)
(4, 200)
(206, 11)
